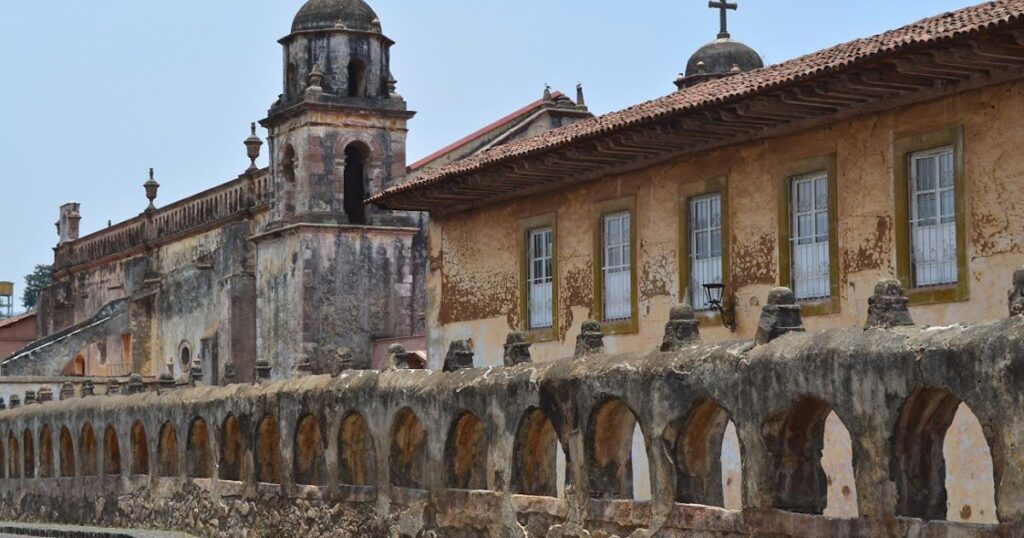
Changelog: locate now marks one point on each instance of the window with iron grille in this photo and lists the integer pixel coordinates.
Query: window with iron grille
(809, 249)
(616, 267)
(705, 228)
(933, 253)
(540, 278)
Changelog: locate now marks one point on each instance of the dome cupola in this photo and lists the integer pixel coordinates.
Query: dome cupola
(721, 57)
(336, 14)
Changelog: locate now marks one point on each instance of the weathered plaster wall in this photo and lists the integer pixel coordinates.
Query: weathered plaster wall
(328, 289)
(474, 256)
(869, 379)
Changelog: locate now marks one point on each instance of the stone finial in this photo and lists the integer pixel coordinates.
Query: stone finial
(459, 357)
(152, 187)
(399, 358)
(30, 397)
(2, 404)
(888, 307)
(135, 384)
(88, 388)
(547, 93)
(590, 341)
(166, 382)
(67, 391)
(230, 372)
(304, 366)
(195, 372)
(253, 144)
(580, 100)
(315, 81)
(14, 401)
(517, 349)
(682, 328)
(1016, 295)
(45, 394)
(113, 387)
(779, 316)
(262, 370)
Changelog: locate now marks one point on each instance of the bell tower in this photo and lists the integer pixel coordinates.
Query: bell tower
(335, 273)
(338, 129)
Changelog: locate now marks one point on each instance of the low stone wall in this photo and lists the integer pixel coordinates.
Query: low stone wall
(471, 452)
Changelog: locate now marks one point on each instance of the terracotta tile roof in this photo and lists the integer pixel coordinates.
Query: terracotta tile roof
(947, 26)
(482, 131)
(7, 322)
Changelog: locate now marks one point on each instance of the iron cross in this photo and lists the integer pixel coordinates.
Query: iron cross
(724, 6)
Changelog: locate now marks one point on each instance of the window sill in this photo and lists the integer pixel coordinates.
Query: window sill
(953, 293)
(819, 307)
(622, 326)
(539, 336)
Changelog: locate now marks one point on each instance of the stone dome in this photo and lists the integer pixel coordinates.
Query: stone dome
(332, 14)
(721, 56)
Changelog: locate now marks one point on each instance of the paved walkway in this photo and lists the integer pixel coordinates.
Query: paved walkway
(13, 529)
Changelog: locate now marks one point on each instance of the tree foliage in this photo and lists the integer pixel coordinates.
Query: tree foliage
(35, 281)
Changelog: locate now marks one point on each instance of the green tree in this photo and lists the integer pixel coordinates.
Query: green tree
(35, 281)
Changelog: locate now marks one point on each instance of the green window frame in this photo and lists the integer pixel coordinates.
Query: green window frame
(526, 228)
(905, 147)
(601, 211)
(795, 171)
(687, 193)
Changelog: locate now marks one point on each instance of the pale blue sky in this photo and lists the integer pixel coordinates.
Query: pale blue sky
(95, 92)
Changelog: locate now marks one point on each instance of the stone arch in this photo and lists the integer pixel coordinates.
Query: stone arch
(77, 366)
(696, 441)
(408, 450)
(13, 457)
(613, 431)
(919, 459)
(309, 452)
(535, 455)
(140, 449)
(111, 452)
(46, 452)
(796, 439)
(356, 452)
(357, 154)
(231, 449)
(167, 451)
(67, 453)
(87, 450)
(28, 447)
(197, 449)
(268, 451)
(466, 453)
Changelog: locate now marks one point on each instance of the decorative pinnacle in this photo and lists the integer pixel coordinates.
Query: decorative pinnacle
(252, 146)
(151, 187)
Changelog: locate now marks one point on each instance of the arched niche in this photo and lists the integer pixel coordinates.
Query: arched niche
(46, 452)
(408, 450)
(231, 449)
(357, 155)
(466, 454)
(268, 451)
(13, 457)
(28, 447)
(67, 453)
(167, 451)
(613, 442)
(356, 452)
(87, 450)
(796, 440)
(111, 452)
(197, 449)
(697, 444)
(308, 452)
(923, 475)
(535, 456)
(140, 450)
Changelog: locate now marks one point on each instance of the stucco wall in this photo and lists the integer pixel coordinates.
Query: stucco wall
(474, 256)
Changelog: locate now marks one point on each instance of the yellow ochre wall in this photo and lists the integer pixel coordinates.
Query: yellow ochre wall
(474, 276)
